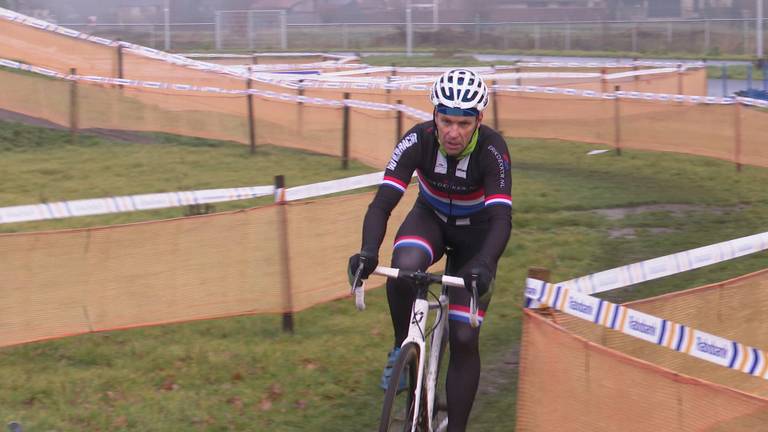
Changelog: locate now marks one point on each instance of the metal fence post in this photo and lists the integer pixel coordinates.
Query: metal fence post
(408, 33)
(217, 29)
(249, 22)
(399, 122)
(707, 36)
(494, 91)
(285, 256)
(617, 121)
(746, 36)
(634, 38)
(568, 36)
(759, 23)
(167, 24)
(724, 76)
(73, 108)
(283, 30)
(345, 135)
(737, 134)
(536, 36)
(251, 120)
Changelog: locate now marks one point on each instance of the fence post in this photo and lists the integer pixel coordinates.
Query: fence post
(495, 103)
(167, 26)
(300, 108)
(283, 30)
(724, 76)
(251, 120)
(120, 71)
(603, 81)
(634, 38)
(399, 122)
(707, 36)
(616, 121)
(249, 19)
(539, 273)
(282, 227)
(74, 117)
(408, 33)
(568, 36)
(345, 135)
(737, 133)
(217, 29)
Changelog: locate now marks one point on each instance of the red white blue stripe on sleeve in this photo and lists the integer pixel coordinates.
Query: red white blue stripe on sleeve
(461, 313)
(394, 183)
(498, 200)
(415, 241)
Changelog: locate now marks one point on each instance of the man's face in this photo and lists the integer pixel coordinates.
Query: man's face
(455, 131)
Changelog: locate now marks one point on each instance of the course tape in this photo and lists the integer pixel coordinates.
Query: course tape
(418, 114)
(669, 334)
(667, 265)
(120, 204)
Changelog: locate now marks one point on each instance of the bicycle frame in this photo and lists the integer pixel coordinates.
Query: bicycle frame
(417, 332)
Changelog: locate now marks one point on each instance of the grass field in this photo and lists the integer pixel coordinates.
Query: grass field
(244, 374)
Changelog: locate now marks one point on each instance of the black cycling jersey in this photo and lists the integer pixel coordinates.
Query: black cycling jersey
(473, 190)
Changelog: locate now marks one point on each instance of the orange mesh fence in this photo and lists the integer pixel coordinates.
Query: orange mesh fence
(572, 382)
(77, 281)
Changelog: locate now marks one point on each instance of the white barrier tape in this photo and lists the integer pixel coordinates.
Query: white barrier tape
(333, 186)
(662, 97)
(669, 334)
(667, 265)
(119, 204)
(412, 112)
(607, 65)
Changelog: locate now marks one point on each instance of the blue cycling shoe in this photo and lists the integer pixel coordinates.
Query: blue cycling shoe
(391, 359)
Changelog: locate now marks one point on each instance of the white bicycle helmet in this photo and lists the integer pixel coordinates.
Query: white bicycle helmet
(460, 89)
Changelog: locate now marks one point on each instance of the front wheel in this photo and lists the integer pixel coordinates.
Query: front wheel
(398, 411)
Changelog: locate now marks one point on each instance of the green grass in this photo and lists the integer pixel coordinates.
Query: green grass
(244, 374)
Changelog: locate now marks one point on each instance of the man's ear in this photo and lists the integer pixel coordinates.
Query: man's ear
(480, 118)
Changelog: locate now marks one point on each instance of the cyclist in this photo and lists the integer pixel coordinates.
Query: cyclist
(464, 203)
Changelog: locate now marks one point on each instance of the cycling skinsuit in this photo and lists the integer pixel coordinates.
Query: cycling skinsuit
(466, 201)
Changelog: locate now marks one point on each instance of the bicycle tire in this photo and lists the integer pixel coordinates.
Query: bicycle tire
(398, 410)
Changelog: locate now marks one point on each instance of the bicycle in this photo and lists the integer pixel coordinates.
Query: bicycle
(419, 410)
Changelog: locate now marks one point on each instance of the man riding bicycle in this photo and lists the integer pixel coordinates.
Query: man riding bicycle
(464, 203)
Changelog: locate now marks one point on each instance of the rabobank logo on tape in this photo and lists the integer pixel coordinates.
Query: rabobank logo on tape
(643, 326)
(712, 348)
(582, 305)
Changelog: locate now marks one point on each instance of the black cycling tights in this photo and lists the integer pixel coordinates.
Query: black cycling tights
(464, 366)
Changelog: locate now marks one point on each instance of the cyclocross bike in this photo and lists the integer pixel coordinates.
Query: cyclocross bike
(416, 408)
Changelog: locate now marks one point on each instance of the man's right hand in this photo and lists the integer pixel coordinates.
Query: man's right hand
(369, 261)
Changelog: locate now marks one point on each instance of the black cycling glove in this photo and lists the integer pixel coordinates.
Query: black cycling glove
(369, 261)
(481, 274)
